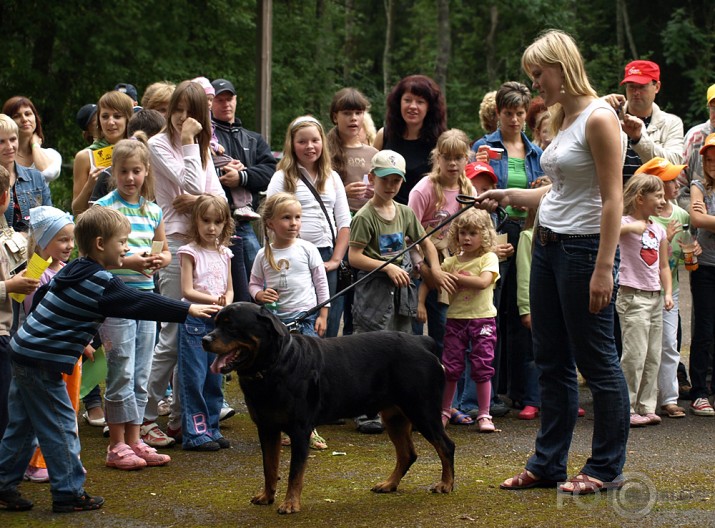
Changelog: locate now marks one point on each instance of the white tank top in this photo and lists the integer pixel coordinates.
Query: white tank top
(573, 205)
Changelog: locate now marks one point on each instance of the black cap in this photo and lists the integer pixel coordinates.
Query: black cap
(85, 114)
(222, 85)
(128, 89)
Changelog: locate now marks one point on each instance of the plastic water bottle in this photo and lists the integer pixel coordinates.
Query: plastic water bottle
(688, 245)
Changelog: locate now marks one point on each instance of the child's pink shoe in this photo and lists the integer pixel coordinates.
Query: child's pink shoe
(485, 424)
(36, 474)
(121, 456)
(149, 454)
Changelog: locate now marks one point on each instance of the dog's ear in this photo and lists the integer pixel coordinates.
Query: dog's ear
(266, 315)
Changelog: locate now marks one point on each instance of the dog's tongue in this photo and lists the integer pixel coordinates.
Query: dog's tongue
(219, 363)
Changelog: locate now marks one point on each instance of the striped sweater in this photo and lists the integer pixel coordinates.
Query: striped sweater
(78, 300)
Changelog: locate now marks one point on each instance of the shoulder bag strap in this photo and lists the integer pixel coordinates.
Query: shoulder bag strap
(320, 202)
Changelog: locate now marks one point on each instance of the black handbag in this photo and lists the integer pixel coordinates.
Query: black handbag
(345, 272)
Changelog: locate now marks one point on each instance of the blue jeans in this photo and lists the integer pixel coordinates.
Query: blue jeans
(129, 347)
(239, 275)
(201, 393)
(39, 406)
(436, 319)
(336, 305)
(702, 286)
(566, 335)
(306, 326)
(250, 245)
(5, 379)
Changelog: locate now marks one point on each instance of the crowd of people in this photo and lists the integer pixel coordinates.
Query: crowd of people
(562, 257)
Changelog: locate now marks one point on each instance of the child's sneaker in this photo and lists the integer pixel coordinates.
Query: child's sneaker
(702, 407)
(485, 424)
(226, 412)
(164, 407)
(37, 474)
(81, 503)
(174, 433)
(121, 456)
(149, 455)
(245, 213)
(11, 500)
(153, 436)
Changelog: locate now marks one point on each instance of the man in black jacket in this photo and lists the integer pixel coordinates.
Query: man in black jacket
(254, 162)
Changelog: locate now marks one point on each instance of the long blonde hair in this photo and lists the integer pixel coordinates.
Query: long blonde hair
(271, 207)
(451, 143)
(478, 220)
(289, 163)
(556, 48)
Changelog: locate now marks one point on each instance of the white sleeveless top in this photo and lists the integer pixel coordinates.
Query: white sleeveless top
(573, 205)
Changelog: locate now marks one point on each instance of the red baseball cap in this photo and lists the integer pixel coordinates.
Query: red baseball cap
(478, 167)
(641, 72)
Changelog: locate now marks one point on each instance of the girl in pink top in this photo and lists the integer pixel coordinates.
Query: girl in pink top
(205, 278)
(644, 270)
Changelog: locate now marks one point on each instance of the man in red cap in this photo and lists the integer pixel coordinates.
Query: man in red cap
(694, 139)
(651, 132)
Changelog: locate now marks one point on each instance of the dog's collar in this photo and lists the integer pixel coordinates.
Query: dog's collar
(262, 373)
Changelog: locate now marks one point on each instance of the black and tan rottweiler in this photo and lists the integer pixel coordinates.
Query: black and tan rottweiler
(293, 383)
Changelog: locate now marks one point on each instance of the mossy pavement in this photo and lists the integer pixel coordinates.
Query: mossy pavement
(672, 465)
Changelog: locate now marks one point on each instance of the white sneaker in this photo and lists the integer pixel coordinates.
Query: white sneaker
(155, 437)
(226, 412)
(246, 213)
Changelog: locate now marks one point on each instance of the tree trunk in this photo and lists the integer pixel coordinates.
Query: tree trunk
(489, 45)
(349, 40)
(444, 44)
(629, 35)
(389, 33)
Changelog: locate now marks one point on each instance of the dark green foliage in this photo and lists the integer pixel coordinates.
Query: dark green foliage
(65, 54)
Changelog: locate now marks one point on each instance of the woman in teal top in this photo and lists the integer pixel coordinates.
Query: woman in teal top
(517, 166)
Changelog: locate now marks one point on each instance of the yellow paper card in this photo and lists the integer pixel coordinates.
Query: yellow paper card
(103, 157)
(36, 266)
(502, 239)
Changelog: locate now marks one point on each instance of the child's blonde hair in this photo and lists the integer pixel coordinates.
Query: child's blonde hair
(639, 185)
(477, 220)
(137, 145)
(98, 221)
(451, 143)
(202, 205)
(273, 206)
(289, 163)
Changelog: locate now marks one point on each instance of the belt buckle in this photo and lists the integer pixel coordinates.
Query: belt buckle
(543, 235)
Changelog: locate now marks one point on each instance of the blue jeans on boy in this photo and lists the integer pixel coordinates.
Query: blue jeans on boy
(40, 407)
(201, 393)
(566, 335)
(129, 347)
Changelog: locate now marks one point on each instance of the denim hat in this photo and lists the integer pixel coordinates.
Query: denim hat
(46, 222)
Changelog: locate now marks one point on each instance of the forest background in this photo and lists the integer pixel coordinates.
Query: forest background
(64, 54)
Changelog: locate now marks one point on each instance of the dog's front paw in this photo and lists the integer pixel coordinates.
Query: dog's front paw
(442, 487)
(385, 487)
(263, 498)
(289, 506)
